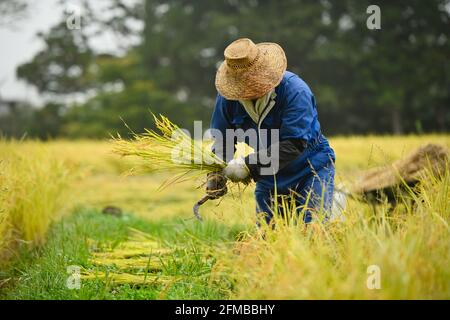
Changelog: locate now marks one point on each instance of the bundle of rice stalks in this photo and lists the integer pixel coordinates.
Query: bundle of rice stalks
(139, 245)
(134, 263)
(137, 261)
(430, 158)
(128, 278)
(126, 253)
(170, 149)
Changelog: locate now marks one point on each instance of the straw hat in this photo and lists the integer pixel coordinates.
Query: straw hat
(250, 70)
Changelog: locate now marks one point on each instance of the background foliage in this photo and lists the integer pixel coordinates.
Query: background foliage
(393, 80)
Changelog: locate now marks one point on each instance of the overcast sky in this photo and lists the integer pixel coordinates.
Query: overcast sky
(19, 44)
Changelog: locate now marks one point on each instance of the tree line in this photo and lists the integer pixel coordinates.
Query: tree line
(395, 79)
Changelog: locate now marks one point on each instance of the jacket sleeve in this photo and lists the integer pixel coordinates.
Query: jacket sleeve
(288, 150)
(220, 122)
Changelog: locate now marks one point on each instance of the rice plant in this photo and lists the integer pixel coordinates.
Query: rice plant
(33, 194)
(408, 244)
(230, 257)
(170, 149)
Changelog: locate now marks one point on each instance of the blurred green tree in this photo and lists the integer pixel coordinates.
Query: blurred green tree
(394, 79)
(63, 66)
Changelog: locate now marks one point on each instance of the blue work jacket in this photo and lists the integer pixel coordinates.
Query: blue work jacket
(295, 115)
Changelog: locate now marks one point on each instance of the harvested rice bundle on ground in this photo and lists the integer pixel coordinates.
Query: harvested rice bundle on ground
(129, 264)
(129, 278)
(135, 261)
(408, 171)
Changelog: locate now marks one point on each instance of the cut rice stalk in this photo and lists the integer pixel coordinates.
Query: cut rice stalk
(128, 278)
(125, 253)
(137, 263)
(171, 149)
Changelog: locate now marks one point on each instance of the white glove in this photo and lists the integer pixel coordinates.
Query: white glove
(236, 170)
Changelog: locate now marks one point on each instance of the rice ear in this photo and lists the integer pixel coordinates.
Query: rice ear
(168, 148)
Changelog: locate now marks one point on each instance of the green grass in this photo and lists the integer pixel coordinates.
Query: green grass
(42, 273)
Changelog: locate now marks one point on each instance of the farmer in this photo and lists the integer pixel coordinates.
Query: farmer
(256, 93)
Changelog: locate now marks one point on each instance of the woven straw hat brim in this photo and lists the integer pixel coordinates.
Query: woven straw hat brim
(256, 80)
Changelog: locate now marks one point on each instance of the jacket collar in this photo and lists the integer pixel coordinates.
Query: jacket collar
(261, 108)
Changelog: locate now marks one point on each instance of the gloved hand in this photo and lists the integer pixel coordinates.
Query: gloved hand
(216, 185)
(237, 171)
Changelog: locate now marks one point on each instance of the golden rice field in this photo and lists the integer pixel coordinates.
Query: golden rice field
(52, 194)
